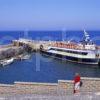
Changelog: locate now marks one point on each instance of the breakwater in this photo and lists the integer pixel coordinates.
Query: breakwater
(11, 51)
(63, 87)
(21, 46)
(34, 45)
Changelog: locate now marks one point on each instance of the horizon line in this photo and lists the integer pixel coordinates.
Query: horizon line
(53, 30)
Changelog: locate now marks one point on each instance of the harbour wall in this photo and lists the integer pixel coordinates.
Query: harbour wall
(63, 87)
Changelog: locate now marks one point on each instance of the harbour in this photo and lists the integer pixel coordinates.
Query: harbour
(49, 50)
(30, 65)
(50, 70)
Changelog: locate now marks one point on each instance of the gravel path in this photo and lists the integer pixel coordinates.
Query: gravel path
(89, 96)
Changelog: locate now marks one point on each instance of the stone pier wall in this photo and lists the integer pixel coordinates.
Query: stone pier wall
(90, 84)
(63, 87)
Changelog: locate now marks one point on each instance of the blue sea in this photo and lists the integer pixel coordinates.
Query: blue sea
(7, 36)
(41, 68)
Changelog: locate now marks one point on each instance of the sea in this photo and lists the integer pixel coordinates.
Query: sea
(40, 68)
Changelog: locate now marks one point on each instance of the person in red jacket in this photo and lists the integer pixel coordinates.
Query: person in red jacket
(77, 83)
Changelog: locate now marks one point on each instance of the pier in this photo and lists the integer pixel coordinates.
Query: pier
(17, 47)
(33, 44)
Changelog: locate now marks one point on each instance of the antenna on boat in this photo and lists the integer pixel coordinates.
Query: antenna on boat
(86, 36)
(87, 39)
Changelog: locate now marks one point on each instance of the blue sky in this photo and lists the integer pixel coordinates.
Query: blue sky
(49, 14)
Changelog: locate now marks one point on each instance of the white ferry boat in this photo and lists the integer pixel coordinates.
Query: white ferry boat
(84, 52)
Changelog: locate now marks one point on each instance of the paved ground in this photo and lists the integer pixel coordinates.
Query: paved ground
(89, 96)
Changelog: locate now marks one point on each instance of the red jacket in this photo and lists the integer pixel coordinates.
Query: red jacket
(76, 79)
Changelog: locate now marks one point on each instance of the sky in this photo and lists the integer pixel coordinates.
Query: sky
(49, 14)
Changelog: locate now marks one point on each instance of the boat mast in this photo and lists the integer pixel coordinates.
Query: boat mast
(86, 37)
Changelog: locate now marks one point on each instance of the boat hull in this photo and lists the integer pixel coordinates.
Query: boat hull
(6, 62)
(72, 59)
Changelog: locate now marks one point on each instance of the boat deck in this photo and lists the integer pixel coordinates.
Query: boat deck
(70, 46)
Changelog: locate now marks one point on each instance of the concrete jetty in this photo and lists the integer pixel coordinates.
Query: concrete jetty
(34, 44)
(7, 52)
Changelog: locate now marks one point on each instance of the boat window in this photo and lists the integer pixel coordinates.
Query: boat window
(68, 51)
